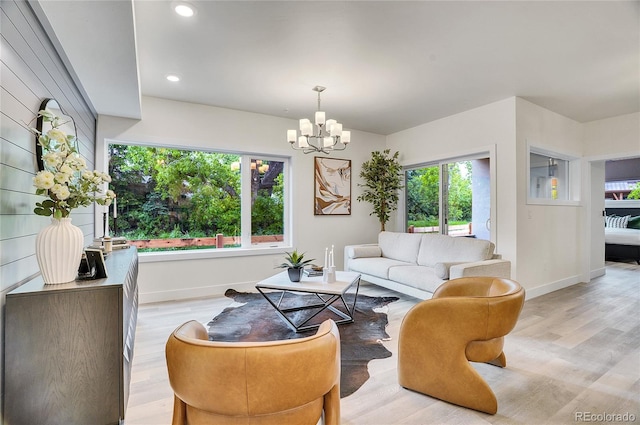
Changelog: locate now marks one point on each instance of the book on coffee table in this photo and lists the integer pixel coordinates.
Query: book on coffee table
(311, 272)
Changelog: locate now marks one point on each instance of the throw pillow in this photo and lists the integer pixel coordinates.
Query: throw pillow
(442, 269)
(634, 222)
(364, 251)
(617, 222)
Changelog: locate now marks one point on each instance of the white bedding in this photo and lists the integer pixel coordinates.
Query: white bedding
(621, 236)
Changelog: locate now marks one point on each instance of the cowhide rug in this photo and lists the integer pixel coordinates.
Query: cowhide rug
(252, 318)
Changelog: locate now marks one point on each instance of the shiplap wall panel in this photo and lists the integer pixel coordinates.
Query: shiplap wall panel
(38, 53)
(43, 55)
(31, 71)
(19, 89)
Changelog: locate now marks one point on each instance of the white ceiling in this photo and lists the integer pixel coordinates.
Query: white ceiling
(387, 65)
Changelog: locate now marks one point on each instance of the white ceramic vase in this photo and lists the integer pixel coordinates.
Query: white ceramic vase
(59, 251)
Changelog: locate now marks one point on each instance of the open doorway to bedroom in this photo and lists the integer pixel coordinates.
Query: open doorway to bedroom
(622, 210)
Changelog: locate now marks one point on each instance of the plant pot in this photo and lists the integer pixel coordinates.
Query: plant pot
(295, 274)
(59, 251)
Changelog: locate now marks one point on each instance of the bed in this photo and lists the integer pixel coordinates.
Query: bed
(623, 243)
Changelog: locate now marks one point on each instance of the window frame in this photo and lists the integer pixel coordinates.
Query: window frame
(572, 174)
(489, 152)
(246, 248)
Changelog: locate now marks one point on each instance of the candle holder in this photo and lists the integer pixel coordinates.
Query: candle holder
(329, 274)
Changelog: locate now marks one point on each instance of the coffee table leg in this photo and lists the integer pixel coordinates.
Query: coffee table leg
(347, 315)
(277, 309)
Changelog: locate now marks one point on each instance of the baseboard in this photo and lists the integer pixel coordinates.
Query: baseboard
(551, 287)
(598, 272)
(190, 293)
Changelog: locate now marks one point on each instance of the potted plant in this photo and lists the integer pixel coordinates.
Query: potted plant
(382, 176)
(294, 263)
(67, 184)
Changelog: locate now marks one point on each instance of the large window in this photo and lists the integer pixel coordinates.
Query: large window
(450, 197)
(178, 199)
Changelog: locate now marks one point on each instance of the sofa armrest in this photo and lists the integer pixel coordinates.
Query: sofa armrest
(360, 251)
(494, 268)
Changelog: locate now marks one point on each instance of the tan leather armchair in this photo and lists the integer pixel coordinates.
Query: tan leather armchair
(465, 320)
(294, 381)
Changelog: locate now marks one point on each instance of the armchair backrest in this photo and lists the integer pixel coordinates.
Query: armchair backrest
(503, 299)
(245, 379)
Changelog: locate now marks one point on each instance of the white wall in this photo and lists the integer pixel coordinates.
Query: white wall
(612, 138)
(490, 126)
(595, 191)
(549, 237)
(549, 246)
(173, 123)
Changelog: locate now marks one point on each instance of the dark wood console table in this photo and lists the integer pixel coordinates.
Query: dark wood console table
(69, 347)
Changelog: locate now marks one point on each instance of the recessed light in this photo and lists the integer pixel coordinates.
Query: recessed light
(184, 9)
(173, 78)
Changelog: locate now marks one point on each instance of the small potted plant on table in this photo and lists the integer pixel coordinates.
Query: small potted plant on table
(295, 265)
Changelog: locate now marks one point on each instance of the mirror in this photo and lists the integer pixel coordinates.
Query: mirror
(68, 126)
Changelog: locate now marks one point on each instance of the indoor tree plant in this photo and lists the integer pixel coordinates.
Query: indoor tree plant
(382, 176)
(294, 263)
(67, 184)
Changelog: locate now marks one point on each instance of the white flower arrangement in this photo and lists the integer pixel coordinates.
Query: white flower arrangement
(65, 180)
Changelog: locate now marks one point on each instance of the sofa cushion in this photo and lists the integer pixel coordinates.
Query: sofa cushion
(419, 277)
(374, 266)
(399, 246)
(435, 248)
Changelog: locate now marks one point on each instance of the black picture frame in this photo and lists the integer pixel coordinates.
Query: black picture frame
(94, 264)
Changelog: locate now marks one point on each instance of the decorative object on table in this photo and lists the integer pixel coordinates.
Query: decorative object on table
(67, 184)
(328, 135)
(332, 186)
(329, 270)
(294, 264)
(313, 271)
(382, 176)
(251, 318)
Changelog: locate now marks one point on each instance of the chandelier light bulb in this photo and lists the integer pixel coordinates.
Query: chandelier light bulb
(291, 136)
(336, 129)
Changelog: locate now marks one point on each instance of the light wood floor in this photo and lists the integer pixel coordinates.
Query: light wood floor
(574, 350)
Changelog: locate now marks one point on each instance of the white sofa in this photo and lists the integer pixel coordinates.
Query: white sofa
(417, 263)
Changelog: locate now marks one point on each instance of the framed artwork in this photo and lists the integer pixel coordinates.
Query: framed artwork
(332, 186)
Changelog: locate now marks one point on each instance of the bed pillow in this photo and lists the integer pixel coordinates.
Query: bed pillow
(617, 222)
(634, 222)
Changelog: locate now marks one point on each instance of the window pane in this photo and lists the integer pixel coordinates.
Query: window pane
(458, 198)
(422, 188)
(466, 193)
(172, 199)
(267, 201)
(549, 177)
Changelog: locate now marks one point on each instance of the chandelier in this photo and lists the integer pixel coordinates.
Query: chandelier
(327, 135)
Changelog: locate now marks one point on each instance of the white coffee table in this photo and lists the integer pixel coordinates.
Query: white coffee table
(327, 293)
